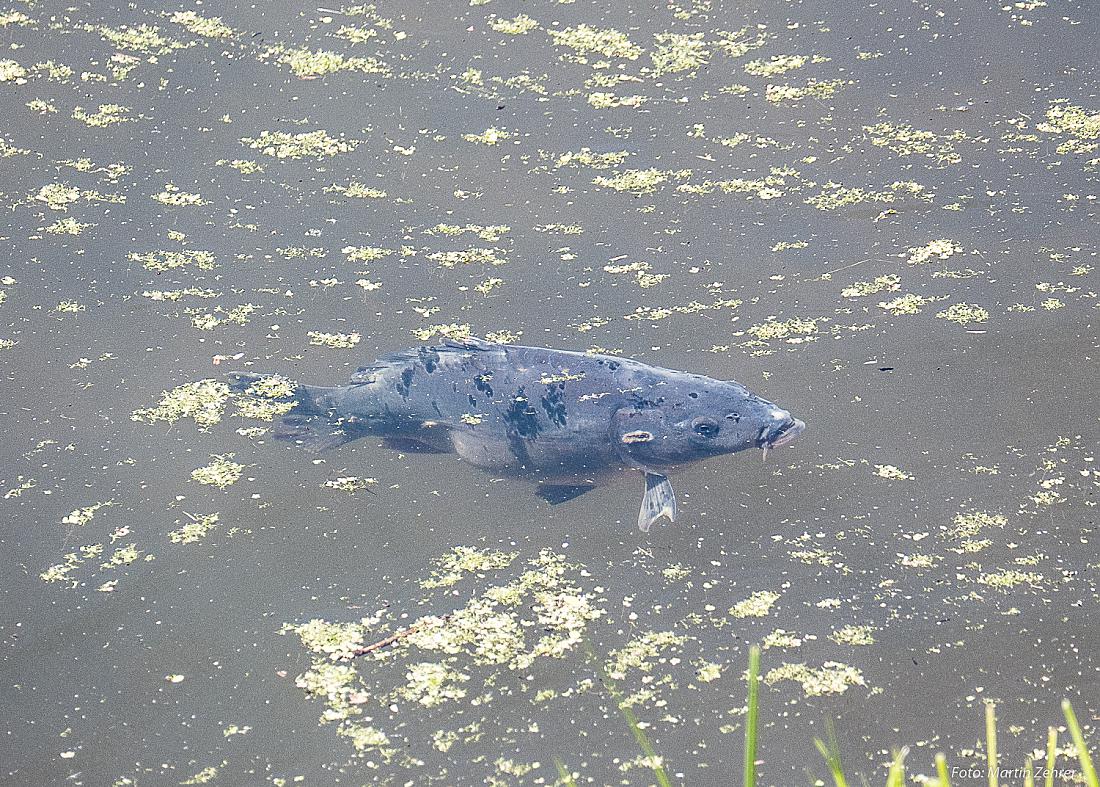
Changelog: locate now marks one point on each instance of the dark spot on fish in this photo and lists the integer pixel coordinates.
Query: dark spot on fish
(473, 401)
(693, 395)
(613, 365)
(430, 359)
(522, 417)
(435, 406)
(405, 383)
(481, 383)
(553, 403)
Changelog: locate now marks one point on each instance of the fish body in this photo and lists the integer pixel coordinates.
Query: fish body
(566, 420)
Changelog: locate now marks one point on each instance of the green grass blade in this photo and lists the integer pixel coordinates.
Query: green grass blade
(991, 743)
(896, 777)
(564, 776)
(655, 763)
(1029, 773)
(1052, 755)
(751, 716)
(1087, 769)
(831, 753)
(941, 771)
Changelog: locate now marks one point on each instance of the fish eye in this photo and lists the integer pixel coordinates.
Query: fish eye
(707, 427)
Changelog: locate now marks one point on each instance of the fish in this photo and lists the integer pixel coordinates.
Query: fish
(568, 421)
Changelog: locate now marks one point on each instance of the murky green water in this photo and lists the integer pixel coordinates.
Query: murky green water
(882, 215)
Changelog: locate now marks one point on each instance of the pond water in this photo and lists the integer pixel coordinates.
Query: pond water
(881, 215)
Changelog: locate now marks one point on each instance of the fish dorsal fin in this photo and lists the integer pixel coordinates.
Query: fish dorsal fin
(659, 500)
(365, 374)
(469, 343)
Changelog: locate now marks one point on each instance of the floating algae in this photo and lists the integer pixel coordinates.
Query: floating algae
(207, 27)
(832, 677)
(888, 283)
(195, 530)
(758, 605)
(517, 26)
(584, 39)
(451, 568)
(942, 249)
(223, 472)
(309, 144)
(161, 261)
(853, 635)
(203, 400)
(335, 340)
(905, 304)
(963, 313)
(639, 652)
(892, 473)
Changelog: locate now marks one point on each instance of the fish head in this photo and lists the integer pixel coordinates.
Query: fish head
(699, 418)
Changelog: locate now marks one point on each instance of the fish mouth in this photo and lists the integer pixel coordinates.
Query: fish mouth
(781, 435)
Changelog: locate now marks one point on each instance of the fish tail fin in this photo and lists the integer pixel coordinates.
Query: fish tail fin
(313, 423)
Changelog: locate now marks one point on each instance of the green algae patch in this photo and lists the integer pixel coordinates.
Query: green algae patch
(12, 71)
(832, 677)
(106, 115)
(310, 64)
(203, 400)
(859, 289)
(472, 256)
(639, 653)
(892, 473)
(964, 314)
(586, 40)
(678, 52)
(490, 136)
(451, 568)
(431, 683)
(969, 524)
(146, 39)
(83, 516)
(1009, 578)
(349, 483)
(793, 329)
(776, 65)
(261, 409)
(639, 181)
(272, 386)
(905, 141)
(161, 260)
(853, 635)
(781, 638)
(316, 144)
(516, 26)
(827, 88)
(1078, 123)
(195, 530)
(941, 249)
(343, 341)
(172, 195)
(223, 472)
(758, 605)
(905, 304)
(207, 27)
(335, 641)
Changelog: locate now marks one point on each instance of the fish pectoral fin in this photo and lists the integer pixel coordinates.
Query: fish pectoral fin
(659, 501)
(410, 445)
(314, 433)
(562, 493)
